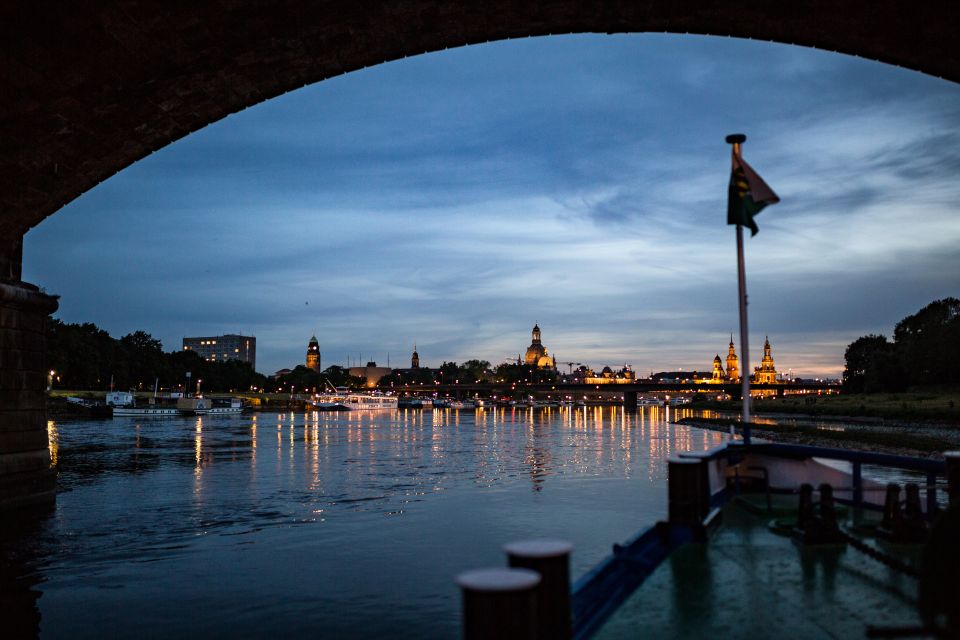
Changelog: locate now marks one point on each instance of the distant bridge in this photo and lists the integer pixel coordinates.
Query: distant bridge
(630, 391)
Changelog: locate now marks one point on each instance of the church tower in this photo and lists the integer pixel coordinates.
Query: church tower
(733, 363)
(313, 354)
(718, 375)
(766, 373)
(415, 358)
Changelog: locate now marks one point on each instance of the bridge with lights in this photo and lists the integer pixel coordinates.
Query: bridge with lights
(630, 392)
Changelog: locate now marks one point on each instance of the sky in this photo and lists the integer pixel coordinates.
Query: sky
(454, 199)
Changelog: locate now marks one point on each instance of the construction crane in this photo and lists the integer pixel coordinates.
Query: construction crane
(570, 364)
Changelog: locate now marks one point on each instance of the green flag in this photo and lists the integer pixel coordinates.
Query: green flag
(748, 194)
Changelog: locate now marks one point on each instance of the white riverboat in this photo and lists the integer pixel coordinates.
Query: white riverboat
(369, 402)
(123, 404)
(225, 406)
(329, 402)
(149, 411)
(200, 406)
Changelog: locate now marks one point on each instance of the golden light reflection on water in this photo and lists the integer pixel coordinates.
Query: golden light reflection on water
(53, 442)
(198, 459)
(430, 451)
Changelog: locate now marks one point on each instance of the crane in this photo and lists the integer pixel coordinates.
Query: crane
(570, 364)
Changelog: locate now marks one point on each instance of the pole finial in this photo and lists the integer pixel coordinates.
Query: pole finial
(736, 138)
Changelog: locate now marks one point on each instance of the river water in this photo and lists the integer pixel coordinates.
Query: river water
(324, 524)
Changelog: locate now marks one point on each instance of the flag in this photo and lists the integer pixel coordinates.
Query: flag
(748, 195)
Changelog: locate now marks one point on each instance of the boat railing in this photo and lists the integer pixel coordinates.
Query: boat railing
(698, 485)
(857, 489)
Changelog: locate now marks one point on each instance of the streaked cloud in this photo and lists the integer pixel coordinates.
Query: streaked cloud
(456, 198)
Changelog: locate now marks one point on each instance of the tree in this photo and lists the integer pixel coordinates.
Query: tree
(86, 357)
(865, 358)
(475, 371)
(929, 343)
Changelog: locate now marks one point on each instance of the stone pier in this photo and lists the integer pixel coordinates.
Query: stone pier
(25, 474)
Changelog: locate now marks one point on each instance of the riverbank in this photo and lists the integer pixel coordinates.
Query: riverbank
(59, 407)
(924, 440)
(927, 405)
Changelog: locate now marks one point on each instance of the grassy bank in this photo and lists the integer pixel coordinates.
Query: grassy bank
(923, 441)
(927, 406)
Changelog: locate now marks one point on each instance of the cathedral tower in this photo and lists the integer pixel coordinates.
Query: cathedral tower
(313, 354)
(733, 363)
(766, 373)
(415, 358)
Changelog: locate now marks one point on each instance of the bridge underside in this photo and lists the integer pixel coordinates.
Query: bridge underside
(90, 89)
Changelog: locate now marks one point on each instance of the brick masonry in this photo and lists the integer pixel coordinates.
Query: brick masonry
(25, 473)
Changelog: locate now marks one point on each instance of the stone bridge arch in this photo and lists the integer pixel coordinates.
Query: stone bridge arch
(90, 88)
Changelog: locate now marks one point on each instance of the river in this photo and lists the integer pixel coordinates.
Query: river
(324, 524)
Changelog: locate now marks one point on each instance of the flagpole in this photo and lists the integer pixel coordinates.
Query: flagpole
(736, 139)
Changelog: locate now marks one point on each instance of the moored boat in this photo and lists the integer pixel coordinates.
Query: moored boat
(369, 402)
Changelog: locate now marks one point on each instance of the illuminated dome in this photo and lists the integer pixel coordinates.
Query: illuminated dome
(536, 353)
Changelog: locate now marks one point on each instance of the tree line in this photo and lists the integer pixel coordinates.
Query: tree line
(84, 356)
(925, 351)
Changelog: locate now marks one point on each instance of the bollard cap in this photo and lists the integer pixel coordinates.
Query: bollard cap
(498, 580)
(538, 548)
(684, 461)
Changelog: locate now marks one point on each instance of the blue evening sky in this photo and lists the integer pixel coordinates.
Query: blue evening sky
(453, 199)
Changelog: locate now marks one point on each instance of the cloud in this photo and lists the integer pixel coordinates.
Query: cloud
(455, 198)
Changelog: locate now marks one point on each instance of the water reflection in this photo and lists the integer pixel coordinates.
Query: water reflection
(191, 518)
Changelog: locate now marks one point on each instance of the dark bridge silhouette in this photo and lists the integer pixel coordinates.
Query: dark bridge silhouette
(89, 89)
(629, 391)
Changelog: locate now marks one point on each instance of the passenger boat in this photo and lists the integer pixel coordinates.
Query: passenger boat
(148, 411)
(329, 402)
(122, 404)
(226, 407)
(369, 402)
(413, 402)
(461, 404)
(340, 399)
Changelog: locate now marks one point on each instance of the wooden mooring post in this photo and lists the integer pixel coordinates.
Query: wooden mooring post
(551, 560)
(499, 604)
(953, 476)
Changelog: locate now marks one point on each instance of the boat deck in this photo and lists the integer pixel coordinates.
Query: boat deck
(750, 581)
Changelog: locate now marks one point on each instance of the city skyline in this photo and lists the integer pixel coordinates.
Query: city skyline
(455, 198)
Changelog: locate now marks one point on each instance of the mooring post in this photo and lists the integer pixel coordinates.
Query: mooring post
(499, 604)
(551, 559)
(630, 400)
(953, 476)
(857, 485)
(891, 507)
(687, 491)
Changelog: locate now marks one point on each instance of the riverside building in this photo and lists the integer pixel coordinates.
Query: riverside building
(224, 348)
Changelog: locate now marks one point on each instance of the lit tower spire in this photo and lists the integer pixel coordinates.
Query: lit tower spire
(313, 354)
